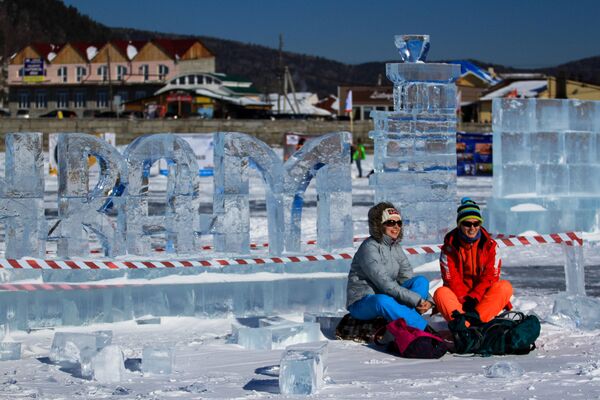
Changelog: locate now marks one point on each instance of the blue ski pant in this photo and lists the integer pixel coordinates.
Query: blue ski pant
(381, 305)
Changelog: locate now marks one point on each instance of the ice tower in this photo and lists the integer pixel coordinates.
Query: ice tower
(415, 145)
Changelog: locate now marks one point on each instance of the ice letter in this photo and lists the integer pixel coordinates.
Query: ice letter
(334, 185)
(234, 153)
(180, 219)
(79, 208)
(22, 196)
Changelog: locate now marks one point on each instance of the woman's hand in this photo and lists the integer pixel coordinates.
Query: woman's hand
(423, 306)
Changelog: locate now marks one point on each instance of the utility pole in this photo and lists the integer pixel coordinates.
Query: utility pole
(110, 88)
(288, 79)
(279, 74)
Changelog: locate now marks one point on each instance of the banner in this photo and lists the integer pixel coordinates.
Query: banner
(203, 146)
(33, 70)
(474, 154)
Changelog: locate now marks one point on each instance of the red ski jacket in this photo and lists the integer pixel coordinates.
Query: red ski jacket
(469, 269)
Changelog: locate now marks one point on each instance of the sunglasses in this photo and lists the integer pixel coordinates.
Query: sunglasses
(468, 224)
(391, 222)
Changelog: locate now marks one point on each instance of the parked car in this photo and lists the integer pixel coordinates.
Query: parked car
(55, 114)
(122, 114)
(4, 113)
(22, 114)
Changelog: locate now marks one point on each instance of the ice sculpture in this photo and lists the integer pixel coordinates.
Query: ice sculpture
(325, 157)
(22, 196)
(546, 166)
(302, 368)
(234, 154)
(79, 208)
(180, 219)
(415, 145)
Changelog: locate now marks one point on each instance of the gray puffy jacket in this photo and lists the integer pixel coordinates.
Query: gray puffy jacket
(380, 268)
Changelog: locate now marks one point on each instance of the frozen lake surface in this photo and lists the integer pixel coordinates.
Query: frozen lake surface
(566, 363)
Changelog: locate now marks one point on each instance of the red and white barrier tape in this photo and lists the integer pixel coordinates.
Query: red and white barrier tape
(34, 287)
(27, 263)
(569, 238)
(541, 239)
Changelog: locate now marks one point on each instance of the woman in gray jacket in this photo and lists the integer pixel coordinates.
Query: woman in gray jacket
(381, 281)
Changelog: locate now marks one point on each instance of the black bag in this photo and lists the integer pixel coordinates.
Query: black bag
(351, 328)
(510, 333)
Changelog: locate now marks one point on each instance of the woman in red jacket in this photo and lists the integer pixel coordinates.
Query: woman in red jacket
(471, 269)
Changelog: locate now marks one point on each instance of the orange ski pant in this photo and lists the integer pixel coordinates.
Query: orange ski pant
(493, 301)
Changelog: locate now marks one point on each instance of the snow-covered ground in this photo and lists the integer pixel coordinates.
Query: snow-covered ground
(566, 363)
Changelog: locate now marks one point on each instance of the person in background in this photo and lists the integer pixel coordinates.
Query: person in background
(358, 155)
(381, 281)
(470, 269)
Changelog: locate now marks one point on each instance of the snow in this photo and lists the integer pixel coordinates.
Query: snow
(527, 207)
(566, 363)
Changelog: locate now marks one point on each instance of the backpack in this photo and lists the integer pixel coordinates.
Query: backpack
(411, 342)
(511, 332)
(358, 330)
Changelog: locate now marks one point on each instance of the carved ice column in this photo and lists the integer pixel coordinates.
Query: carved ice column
(180, 220)
(22, 196)
(80, 210)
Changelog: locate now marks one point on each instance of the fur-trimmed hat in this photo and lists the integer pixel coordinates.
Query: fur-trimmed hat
(468, 209)
(376, 220)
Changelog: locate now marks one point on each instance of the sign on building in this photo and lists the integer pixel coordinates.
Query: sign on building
(33, 70)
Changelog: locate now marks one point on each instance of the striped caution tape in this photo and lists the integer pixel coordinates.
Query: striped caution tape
(569, 238)
(36, 264)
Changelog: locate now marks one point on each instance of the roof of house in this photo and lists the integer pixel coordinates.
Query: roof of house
(175, 48)
(520, 88)
(47, 50)
(467, 67)
(128, 48)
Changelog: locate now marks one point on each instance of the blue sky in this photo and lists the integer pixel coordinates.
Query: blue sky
(519, 33)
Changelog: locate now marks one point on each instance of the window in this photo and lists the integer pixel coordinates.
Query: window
(182, 80)
(41, 99)
(81, 73)
(145, 72)
(103, 72)
(21, 72)
(23, 99)
(62, 73)
(124, 96)
(191, 79)
(62, 99)
(80, 99)
(101, 99)
(208, 80)
(121, 72)
(140, 94)
(163, 71)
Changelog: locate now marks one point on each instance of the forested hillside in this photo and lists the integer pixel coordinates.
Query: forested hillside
(27, 21)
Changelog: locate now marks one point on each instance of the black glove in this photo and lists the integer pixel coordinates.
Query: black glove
(469, 304)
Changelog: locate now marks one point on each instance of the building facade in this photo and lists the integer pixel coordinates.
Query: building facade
(93, 77)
